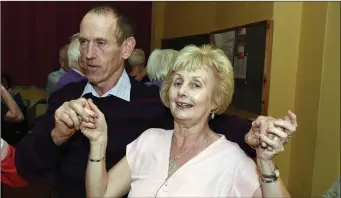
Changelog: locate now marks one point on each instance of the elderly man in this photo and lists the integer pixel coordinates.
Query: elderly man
(55, 76)
(75, 73)
(57, 152)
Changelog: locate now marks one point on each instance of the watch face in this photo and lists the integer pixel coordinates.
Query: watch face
(276, 173)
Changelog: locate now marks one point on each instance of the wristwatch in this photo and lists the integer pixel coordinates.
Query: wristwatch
(270, 178)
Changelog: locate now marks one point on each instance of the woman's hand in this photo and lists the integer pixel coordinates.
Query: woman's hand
(287, 125)
(272, 144)
(96, 131)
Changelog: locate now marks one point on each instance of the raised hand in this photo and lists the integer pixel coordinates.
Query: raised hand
(96, 131)
(68, 118)
(287, 126)
(274, 145)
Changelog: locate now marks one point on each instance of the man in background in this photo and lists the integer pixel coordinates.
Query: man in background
(55, 76)
(137, 64)
(74, 74)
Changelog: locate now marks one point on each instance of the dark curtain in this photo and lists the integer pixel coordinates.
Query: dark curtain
(33, 32)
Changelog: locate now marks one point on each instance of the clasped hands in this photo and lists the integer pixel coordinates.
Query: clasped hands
(81, 114)
(269, 135)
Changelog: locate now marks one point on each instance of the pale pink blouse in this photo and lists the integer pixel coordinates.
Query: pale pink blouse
(221, 170)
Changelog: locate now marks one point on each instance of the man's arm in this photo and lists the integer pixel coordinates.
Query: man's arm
(37, 156)
(235, 129)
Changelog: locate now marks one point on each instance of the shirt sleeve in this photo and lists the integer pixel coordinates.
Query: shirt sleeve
(246, 180)
(134, 148)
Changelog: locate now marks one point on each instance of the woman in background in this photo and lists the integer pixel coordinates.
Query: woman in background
(158, 65)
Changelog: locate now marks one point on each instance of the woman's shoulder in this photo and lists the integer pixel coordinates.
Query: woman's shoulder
(154, 134)
(231, 150)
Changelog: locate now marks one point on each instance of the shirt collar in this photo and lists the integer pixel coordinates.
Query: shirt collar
(120, 90)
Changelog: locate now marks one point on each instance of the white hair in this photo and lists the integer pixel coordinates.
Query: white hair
(159, 63)
(73, 52)
(137, 58)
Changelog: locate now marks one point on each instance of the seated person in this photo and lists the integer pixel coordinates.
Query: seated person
(10, 110)
(191, 160)
(6, 81)
(158, 65)
(12, 118)
(9, 174)
(74, 74)
(137, 63)
(54, 77)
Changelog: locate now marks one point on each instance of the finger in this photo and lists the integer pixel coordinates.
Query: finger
(74, 117)
(89, 125)
(65, 118)
(287, 126)
(293, 118)
(93, 107)
(93, 115)
(79, 107)
(269, 148)
(278, 132)
(276, 145)
(264, 145)
(255, 125)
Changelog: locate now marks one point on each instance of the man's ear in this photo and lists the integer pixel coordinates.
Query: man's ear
(128, 47)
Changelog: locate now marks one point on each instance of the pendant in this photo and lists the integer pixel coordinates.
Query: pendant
(172, 164)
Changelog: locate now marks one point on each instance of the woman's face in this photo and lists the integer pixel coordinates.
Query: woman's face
(190, 94)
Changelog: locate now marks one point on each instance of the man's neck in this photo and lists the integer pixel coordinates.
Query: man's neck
(109, 83)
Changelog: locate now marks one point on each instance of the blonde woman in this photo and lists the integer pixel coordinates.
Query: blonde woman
(191, 160)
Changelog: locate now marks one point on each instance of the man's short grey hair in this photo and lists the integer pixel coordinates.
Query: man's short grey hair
(73, 52)
(159, 63)
(137, 58)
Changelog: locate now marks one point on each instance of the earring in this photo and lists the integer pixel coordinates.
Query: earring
(212, 116)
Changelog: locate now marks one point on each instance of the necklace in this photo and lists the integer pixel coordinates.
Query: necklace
(172, 162)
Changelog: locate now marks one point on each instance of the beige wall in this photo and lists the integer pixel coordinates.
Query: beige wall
(327, 149)
(304, 76)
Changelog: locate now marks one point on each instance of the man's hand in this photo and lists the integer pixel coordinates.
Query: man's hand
(68, 118)
(283, 128)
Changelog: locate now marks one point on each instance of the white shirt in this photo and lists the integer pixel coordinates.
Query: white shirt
(120, 90)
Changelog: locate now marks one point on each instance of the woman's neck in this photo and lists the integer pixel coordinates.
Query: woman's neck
(185, 137)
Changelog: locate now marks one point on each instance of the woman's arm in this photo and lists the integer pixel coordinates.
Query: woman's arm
(14, 114)
(99, 182)
(272, 189)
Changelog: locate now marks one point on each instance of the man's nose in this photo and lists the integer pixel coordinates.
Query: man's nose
(90, 52)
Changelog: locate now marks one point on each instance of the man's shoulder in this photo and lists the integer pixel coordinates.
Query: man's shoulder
(70, 91)
(141, 91)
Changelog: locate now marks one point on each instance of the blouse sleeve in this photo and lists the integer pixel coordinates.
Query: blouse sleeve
(246, 180)
(133, 149)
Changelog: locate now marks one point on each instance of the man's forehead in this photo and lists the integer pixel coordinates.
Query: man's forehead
(94, 25)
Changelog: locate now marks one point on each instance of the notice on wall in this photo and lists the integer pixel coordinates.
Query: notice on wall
(240, 67)
(226, 42)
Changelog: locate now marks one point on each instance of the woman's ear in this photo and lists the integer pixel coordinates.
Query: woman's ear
(128, 47)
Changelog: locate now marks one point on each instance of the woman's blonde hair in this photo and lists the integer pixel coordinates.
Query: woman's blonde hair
(192, 58)
(159, 63)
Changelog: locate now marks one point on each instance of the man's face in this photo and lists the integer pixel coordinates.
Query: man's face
(101, 56)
